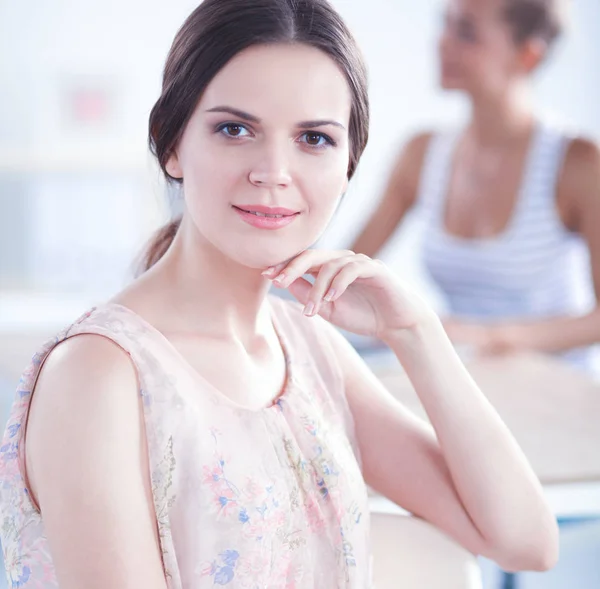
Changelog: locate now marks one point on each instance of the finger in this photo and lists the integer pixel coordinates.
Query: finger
(305, 262)
(283, 272)
(273, 271)
(322, 284)
(351, 272)
(300, 289)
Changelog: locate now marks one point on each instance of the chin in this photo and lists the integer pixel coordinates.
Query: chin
(451, 83)
(261, 260)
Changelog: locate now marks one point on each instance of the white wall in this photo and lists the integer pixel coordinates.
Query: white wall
(398, 38)
(45, 46)
(42, 44)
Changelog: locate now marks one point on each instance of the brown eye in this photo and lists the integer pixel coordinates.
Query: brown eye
(233, 130)
(465, 31)
(313, 138)
(317, 140)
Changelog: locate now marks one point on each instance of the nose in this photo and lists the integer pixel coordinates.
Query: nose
(271, 170)
(445, 41)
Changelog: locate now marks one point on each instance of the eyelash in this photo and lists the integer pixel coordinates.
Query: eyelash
(329, 142)
(465, 33)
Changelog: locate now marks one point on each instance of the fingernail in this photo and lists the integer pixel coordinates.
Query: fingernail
(329, 296)
(309, 309)
(268, 272)
(281, 279)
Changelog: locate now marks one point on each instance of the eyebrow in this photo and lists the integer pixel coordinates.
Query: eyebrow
(462, 18)
(253, 119)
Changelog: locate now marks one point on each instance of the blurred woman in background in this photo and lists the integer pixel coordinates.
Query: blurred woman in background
(507, 201)
(193, 432)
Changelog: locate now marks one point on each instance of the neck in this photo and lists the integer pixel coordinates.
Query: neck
(210, 293)
(502, 118)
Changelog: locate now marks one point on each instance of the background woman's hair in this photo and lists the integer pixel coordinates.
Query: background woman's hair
(220, 29)
(536, 19)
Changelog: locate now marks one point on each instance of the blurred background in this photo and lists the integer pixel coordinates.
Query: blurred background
(80, 195)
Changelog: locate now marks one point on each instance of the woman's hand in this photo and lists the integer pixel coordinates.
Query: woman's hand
(352, 291)
(485, 340)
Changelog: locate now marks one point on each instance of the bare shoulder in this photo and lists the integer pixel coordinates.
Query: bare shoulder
(582, 157)
(582, 163)
(86, 392)
(404, 181)
(88, 468)
(583, 148)
(414, 150)
(409, 165)
(579, 184)
(420, 141)
(86, 370)
(82, 365)
(89, 351)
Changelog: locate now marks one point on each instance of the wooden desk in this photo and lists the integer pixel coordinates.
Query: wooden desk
(552, 409)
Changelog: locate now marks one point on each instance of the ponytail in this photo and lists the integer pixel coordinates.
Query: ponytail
(159, 244)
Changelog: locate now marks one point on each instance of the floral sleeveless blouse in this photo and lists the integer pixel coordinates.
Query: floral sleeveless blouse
(269, 498)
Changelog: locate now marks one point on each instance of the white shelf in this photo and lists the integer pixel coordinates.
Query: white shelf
(30, 312)
(51, 159)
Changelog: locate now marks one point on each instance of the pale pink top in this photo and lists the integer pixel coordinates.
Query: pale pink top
(269, 498)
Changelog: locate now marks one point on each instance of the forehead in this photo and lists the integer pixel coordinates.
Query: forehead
(282, 81)
(481, 10)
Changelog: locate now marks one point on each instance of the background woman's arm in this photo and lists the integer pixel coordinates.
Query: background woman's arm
(400, 195)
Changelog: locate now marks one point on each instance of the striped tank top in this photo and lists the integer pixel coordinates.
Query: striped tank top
(534, 269)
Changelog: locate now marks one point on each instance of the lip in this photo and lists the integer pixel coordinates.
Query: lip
(266, 210)
(247, 213)
(450, 69)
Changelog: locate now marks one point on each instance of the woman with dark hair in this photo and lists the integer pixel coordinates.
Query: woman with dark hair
(509, 203)
(193, 431)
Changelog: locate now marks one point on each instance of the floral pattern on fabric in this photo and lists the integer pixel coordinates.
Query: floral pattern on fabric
(266, 499)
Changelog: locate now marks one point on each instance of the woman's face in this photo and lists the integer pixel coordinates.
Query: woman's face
(477, 50)
(268, 137)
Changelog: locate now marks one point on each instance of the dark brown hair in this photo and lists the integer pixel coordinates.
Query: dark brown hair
(536, 19)
(220, 29)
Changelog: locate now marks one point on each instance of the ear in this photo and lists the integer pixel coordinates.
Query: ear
(173, 166)
(532, 54)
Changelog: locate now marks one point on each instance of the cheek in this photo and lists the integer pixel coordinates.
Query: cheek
(475, 60)
(480, 68)
(212, 174)
(496, 61)
(324, 185)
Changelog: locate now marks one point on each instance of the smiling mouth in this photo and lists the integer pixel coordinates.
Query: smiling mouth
(268, 215)
(264, 214)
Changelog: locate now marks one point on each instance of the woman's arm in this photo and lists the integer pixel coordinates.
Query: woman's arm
(88, 468)
(399, 197)
(579, 202)
(470, 478)
(467, 475)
